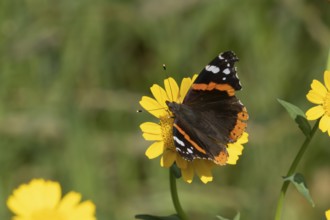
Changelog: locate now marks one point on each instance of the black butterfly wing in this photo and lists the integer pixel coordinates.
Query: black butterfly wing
(221, 71)
(210, 116)
(203, 131)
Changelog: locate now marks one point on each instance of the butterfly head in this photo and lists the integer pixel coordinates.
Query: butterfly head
(173, 106)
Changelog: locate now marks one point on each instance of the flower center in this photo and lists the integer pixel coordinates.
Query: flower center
(166, 124)
(326, 104)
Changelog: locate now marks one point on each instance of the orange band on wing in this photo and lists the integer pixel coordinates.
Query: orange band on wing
(238, 130)
(240, 125)
(243, 115)
(212, 85)
(194, 144)
(221, 159)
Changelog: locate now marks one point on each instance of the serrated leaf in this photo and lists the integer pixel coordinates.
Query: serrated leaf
(237, 217)
(293, 110)
(299, 182)
(303, 125)
(152, 217)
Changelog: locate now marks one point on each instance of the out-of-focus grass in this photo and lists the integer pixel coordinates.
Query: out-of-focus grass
(72, 73)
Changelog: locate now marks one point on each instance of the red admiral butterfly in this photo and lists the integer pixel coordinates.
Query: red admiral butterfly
(210, 115)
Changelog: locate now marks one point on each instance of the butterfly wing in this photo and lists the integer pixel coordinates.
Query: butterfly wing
(210, 116)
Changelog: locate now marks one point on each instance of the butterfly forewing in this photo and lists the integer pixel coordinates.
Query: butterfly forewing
(220, 70)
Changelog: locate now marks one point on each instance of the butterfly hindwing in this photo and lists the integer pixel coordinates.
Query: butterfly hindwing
(185, 146)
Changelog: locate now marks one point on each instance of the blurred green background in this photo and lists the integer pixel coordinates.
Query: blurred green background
(72, 74)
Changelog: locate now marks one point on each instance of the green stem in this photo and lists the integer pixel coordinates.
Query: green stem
(292, 169)
(175, 197)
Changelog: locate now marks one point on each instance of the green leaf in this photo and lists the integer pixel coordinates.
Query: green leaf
(299, 182)
(303, 125)
(152, 217)
(237, 217)
(293, 110)
(298, 115)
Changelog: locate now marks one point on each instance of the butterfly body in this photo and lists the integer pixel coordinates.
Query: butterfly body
(210, 115)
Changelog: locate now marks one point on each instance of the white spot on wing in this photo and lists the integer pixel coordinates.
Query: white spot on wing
(177, 140)
(226, 71)
(221, 57)
(189, 151)
(224, 78)
(213, 69)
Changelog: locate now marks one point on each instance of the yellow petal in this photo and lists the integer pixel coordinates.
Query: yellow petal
(151, 128)
(182, 163)
(84, 210)
(243, 139)
(69, 201)
(45, 194)
(203, 170)
(152, 137)
(184, 88)
(172, 89)
(188, 173)
(315, 112)
(327, 214)
(314, 97)
(234, 150)
(159, 94)
(327, 79)
(194, 78)
(74, 210)
(319, 88)
(168, 158)
(155, 150)
(206, 179)
(324, 123)
(152, 106)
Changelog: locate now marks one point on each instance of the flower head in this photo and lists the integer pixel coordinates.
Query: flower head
(320, 95)
(41, 199)
(327, 214)
(162, 133)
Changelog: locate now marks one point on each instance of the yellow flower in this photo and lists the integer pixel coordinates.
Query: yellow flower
(327, 214)
(41, 200)
(320, 95)
(162, 133)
